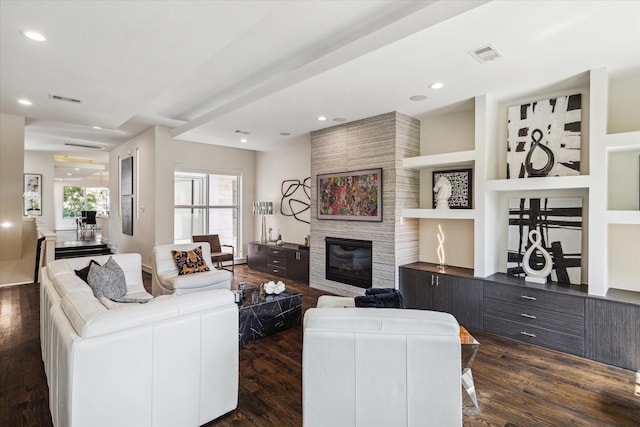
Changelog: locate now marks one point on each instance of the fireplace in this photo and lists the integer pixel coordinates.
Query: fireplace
(348, 261)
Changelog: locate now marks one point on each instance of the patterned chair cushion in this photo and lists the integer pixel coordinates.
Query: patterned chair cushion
(190, 262)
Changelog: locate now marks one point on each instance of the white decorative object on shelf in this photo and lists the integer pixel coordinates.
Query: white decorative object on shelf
(274, 288)
(537, 276)
(443, 192)
(441, 247)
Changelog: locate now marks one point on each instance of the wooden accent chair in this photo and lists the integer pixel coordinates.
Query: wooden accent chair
(217, 255)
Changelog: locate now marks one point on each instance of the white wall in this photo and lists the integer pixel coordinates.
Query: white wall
(41, 162)
(11, 189)
(624, 103)
(143, 150)
(443, 133)
(272, 168)
(172, 154)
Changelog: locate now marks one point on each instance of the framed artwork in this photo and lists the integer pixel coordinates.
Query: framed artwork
(559, 221)
(461, 187)
(543, 138)
(126, 177)
(351, 196)
(127, 215)
(32, 195)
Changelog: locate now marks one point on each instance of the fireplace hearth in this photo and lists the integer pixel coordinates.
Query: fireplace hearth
(349, 261)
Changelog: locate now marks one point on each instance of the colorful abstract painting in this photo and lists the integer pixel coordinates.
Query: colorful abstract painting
(559, 221)
(544, 138)
(351, 195)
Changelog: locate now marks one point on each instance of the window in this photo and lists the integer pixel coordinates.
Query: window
(206, 203)
(77, 199)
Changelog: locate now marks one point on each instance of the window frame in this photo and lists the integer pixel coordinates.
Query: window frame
(206, 207)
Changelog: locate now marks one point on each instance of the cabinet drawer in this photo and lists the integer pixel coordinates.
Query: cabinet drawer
(278, 271)
(528, 314)
(551, 301)
(277, 252)
(277, 261)
(535, 335)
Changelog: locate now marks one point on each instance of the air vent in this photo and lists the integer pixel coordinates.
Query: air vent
(64, 98)
(92, 147)
(485, 54)
(243, 132)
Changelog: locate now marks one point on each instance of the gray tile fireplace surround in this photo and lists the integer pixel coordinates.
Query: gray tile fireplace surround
(381, 141)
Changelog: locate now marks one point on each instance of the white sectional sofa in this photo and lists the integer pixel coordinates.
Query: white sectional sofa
(172, 361)
(370, 367)
(166, 279)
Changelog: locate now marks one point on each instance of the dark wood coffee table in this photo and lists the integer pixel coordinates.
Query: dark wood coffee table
(468, 346)
(262, 315)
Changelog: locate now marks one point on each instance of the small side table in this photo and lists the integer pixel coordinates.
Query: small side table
(469, 347)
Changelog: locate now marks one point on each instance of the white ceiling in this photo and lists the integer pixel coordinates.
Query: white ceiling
(209, 68)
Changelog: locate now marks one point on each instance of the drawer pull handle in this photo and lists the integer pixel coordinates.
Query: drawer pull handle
(528, 334)
(528, 297)
(275, 261)
(528, 316)
(432, 280)
(275, 270)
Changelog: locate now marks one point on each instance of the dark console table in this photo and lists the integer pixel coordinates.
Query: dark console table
(560, 317)
(290, 260)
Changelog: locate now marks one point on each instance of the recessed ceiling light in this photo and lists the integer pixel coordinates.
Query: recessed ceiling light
(69, 174)
(97, 127)
(24, 102)
(436, 85)
(34, 35)
(285, 133)
(322, 118)
(243, 140)
(339, 119)
(418, 97)
(6, 224)
(76, 169)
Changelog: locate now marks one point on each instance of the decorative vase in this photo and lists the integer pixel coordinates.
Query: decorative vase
(532, 275)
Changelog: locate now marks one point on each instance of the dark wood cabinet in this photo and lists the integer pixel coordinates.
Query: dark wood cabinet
(298, 264)
(612, 333)
(549, 319)
(289, 261)
(561, 317)
(424, 286)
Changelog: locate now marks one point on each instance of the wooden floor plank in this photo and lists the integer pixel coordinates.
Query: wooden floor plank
(518, 385)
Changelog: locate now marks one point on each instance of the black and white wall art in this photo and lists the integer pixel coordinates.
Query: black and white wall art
(559, 221)
(544, 138)
(461, 187)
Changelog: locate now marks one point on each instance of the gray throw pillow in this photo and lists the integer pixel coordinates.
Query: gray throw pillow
(107, 280)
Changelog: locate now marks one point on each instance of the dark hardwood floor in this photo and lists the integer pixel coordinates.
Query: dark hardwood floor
(518, 385)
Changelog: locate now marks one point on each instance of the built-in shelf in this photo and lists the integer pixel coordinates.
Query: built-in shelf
(439, 213)
(623, 217)
(541, 183)
(457, 158)
(623, 141)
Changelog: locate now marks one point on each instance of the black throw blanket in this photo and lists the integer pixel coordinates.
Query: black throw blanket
(380, 298)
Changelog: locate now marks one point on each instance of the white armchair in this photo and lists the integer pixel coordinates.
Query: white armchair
(380, 367)
(166, 279)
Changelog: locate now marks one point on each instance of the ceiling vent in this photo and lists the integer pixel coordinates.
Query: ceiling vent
(485, 54)
(92, 147)
(64, 98)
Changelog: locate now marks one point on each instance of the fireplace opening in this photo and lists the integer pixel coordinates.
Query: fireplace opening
(348, 261)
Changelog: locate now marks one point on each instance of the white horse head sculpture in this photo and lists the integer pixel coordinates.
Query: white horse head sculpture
(443, 192)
